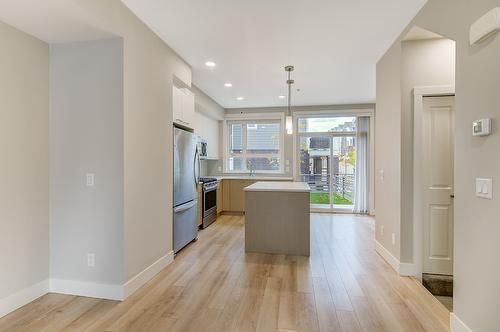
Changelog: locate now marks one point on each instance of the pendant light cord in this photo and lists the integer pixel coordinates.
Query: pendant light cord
(289, 81)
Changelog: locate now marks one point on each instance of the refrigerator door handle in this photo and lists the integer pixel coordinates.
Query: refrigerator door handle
(196, 163)
(185, 206)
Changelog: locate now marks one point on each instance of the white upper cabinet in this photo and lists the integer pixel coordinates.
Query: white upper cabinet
(183, 107)
(208, 129)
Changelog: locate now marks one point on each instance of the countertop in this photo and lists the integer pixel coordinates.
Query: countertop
(254, 177)
(279, 186)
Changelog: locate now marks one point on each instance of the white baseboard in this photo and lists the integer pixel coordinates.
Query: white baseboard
(23, 297)
(408, 270)
(387, 256)
(147, 274)
(403, 269)
(456, 324)
(88, 289)
(83, 288)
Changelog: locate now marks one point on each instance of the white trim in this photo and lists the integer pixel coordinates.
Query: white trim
(403, 269)
(87, 289)
(457, 325)
(147, 274)
(418, 104)
(409, 270)
(82, 288)
(336, 113)
(371, 194)
(387, 256)
(261, 117)
(24, 296)
(255, 116)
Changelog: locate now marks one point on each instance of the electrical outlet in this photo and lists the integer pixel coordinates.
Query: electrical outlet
(90, 260)
(90, 177)
(382, 230)
(393, 239)
(381, 175)
(220, 169)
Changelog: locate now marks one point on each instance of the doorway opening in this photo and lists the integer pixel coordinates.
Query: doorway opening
(428, 73)
(333, 158)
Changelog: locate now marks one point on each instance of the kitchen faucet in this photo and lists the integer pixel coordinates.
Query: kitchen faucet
(251, 168)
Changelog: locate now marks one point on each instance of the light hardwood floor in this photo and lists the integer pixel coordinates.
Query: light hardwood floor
(214, 286)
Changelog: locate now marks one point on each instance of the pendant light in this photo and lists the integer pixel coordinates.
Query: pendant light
(289, 118)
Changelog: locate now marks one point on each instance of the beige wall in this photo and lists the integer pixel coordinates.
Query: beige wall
(288, 138)
(86, 136)
(149, 67)
(423, 63)
(476, 265)
(24, 176)
(388, 150)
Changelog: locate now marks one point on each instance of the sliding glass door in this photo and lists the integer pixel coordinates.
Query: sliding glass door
(327, 161)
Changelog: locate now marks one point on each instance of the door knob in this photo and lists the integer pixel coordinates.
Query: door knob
(452, 196)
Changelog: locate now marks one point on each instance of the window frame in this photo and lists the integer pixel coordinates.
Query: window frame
(254, 118)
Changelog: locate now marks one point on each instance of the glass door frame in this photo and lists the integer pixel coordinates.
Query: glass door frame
(331, 135)
(323, 113)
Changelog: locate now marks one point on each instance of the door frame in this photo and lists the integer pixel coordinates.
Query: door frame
(369, 112)
(419, 93)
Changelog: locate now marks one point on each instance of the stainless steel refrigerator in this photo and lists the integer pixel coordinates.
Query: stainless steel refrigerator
(186, 178)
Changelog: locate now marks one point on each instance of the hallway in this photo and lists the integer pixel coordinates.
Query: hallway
(214, 286)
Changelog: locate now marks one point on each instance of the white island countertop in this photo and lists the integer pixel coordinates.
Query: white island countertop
(279, 186)
(253, 177)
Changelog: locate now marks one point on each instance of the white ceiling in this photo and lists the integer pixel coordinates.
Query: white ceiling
(334, 45)
(53, 21)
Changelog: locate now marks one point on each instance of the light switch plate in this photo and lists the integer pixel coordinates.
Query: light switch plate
(89, 179)
(484, 188)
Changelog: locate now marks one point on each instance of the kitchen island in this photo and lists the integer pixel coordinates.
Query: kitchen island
(277, 218)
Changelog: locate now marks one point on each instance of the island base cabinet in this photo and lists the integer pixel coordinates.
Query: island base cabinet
(277, 222)
(220, 197)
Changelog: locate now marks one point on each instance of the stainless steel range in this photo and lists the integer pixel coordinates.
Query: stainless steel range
(209, 200)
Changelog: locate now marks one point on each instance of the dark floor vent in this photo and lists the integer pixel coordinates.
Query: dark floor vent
(438, 285)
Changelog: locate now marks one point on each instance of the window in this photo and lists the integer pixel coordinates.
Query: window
(254, 145)
(327, 124)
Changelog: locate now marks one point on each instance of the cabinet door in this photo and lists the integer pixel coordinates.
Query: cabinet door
(188, 115)
(226, 195)
(200, 204)
(220, 197)
(177, 97)
(238, 195)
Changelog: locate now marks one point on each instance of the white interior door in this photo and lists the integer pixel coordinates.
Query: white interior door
(438, 151)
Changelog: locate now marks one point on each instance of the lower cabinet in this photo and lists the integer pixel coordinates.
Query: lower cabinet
(200, 204)
(231, 196)
(220, 197)
(237, 195)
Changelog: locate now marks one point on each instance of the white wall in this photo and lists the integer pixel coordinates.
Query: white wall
(137, 148)
(24, 189)
(405, 66)
(149, 67)
(476, 265)
(423, 63)
(288, 138)
(388, 151)
(208, 116)
(86, 136)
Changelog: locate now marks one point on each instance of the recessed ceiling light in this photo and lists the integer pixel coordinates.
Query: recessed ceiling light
(240, 98)
(210, 64)
(281, 97)
(228, 84)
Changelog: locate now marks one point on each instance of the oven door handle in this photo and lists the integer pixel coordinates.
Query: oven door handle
(209, 189)
(185, 206)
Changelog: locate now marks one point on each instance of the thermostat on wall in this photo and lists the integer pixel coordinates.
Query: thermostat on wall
(481, 127)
